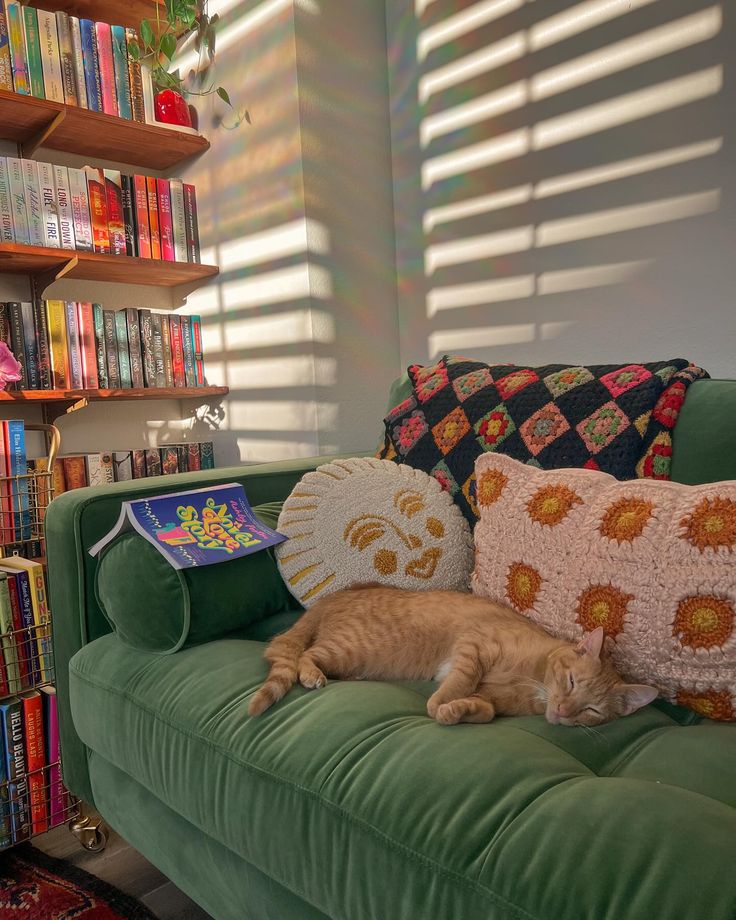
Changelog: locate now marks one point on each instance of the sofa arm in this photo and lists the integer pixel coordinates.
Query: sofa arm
(78, 519)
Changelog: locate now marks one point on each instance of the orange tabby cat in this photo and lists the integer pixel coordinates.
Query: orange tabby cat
(489, 659)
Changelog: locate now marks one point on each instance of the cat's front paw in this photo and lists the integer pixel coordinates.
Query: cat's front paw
(433, 703)
(449, 713)
(311, 677)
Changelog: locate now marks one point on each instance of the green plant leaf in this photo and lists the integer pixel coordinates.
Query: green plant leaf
(223, 94)
(134, 51)
(168, 44)
(146, 33)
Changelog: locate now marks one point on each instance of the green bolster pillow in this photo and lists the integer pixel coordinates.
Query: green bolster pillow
(156, 608)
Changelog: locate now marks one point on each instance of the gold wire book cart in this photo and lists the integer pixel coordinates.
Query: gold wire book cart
(33, 801)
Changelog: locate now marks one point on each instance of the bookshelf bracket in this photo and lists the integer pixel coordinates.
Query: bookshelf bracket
(44, 280)
(30, 146)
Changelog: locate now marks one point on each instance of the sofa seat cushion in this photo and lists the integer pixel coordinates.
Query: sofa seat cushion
(354, 800)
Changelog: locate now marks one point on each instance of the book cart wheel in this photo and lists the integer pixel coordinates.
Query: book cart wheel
(91, 834)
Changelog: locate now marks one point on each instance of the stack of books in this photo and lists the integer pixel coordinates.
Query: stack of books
(97, 210)
(16, 512)
(68, 345)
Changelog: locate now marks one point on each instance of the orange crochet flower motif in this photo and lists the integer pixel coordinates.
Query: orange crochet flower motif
(522, 585)
(703, 621)
(603, 605)
(625, 519)
(712, 704)
(712, 524)
(551, 504)
(491, 486)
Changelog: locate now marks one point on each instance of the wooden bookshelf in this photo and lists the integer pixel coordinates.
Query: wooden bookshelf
(127, 13)
(33, 123)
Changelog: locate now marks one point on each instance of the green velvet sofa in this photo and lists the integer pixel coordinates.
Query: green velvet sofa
(350, 803)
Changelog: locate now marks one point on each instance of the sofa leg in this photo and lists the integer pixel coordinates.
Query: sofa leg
(91, 833)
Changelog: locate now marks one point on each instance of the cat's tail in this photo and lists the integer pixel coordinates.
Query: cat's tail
(283, 655)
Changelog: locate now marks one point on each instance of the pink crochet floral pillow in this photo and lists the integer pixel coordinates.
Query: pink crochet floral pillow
(652, 562)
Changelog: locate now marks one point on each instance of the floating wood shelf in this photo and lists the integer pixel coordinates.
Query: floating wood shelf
(127, 13)
(33, 123)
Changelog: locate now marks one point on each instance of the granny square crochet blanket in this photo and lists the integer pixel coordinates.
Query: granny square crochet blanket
(614, 418)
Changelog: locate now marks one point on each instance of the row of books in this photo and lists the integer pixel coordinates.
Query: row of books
(15, 506)
(79, 345)
(65, 59)
(26, 659)
(97, 210)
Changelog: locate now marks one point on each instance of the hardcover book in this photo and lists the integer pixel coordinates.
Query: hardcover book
(64, 207)
(121, 333)
(47, 186)
(158, 350)
(75, 472)
(25, 603)
(94, 470)
(58, 349)
(6, 829)
(18, 200)
(182, 453)
(169, 460)
(188, 348)
(195, 528)
(44, 348)
(57, 811)
(166, 344)
(78, 61)
(107, 68)
(198, 350)
(16, 448)
(177, 351)
(30, 343)
(136, 83)
(120, 64)
(8, 642)
(153, 217)
(88, 346)
(111, 349)
(153, 462)
(53, 83)
(192, 226)
(16, 39)
(115, 214)
(35, 751)
(140, 196)
(137, 378)
(207, 455)
(11, 723)
(108, 467)
(193, 459)
(100, 347)
(98, 208)
(34, 210)
(149, 361)
(17, 341)
(4, 325)
(123, 465)
(139, 464)
(40, 611)
(6, 67)
(178, 219)
(23, 645)
(75, 352)
(131, 231)
(92, 80)
(7, 231)
(80, 209)
(66, 52)
(166, 227)
(7, 522)
(33, 52)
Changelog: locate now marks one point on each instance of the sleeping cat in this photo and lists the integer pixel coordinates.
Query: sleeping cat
(488, 659)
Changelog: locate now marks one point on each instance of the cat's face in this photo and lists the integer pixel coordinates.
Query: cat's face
(583, 688)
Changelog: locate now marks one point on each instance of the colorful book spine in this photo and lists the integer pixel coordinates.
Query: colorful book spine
(33, 52)
(42, 339)
(17, 341)
(182, 458)
(115, 215)
(75, 472)
(123, 465)
(146, 332)
(92, 79)
(193, 458)
(121, 334)
(49, 206)
(107, 68)
(192, 224)
(120, 64)
(30, 343)
(16, 38)
(59, 478)
(131, 232)
(140, 195)
(169, 460)
(56, 809)
(139, 464)
(6, 66)
(94, 470)
(6, 829)
(177, 351)
(111, 350)
(35, 751)
(178, 219)
(75, 352)
(34, 210)
(153, 462)
(4, 325)
(18, 200)
(7, 231)
(207, 455)
(9, 646)
(101, 350)
(153, 217)
(66, 51)
(78, 58)
(135, 80)
(88, 346)
(53, 82)
(168, 355)
(56, 322)
(11, 720)
(80, 209)
(198, 350)
(188, 348)
(23, 643)
(158, 349)
(166, 227)
(16, 446)
(98, 209)
(64, 207)
(132, 321)
(108, 468)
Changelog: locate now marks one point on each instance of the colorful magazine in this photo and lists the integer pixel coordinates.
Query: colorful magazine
(195, 528)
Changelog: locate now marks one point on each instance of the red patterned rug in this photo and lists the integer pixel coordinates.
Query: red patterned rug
(34, 886)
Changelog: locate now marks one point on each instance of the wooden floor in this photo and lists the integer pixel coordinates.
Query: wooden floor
(122, 866)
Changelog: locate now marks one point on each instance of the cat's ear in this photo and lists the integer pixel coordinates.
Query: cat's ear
(634, 696)
(591, 643)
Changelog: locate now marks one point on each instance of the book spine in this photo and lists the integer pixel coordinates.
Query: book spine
(153, 462)
(107, 68)
(177, 351)
(182, 458)
(35, 759)
(56, 322)
(53, 756)
(18, 467)
(207, 455)
(107, 467)
(33, 52)
(178, 219)
(111, 350)
(59, 478)
(6, 823)
(10, 649)
(158, 349)
(92, 80)
(75, 353)
(121, 333)
(193, 458)
(188, 348)
(98, 322)
(115, 215)
(78, 60)
(18, 200)
(4, 677)
(7, 231)
(17, 341)
(53, 82)
(75, 472)
(98, 209)
(131, 232)
(166, 343)
(132, 321)
(64, 207)
(94, 469)
(145, 318)
(47, 185)
(140, 193)
(30, 343)
(66, 51)
(32, 191)
(88, 346)
(166, 227)
(16, 768)
(23, 645)
(120, 63)
(16, 38)
(123, 465)
(6, 66)
(153, 217)
(192, 224)
(198, 350)
(41, 618)
(136, 83)
(44, 351)
(169, 460)
(4, 327)
(7, 526)
(80, 209)
(139, 464)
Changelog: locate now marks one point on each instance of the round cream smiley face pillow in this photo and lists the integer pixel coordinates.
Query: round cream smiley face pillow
(366, 520)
